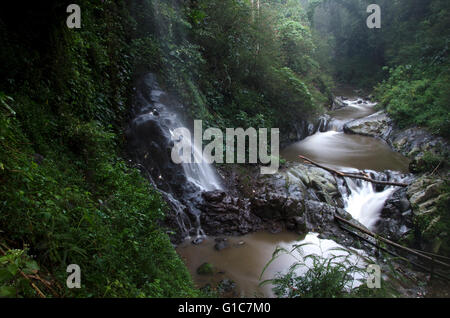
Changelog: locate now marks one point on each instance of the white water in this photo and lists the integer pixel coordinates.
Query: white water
(201, 174)
(364, 203)
(327, 249)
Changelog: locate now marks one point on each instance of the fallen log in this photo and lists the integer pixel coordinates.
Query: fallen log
(382, 239)
(352, 175)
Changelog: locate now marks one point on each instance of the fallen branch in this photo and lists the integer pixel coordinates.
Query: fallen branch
(404, 248)
(354, 176)
(437, 167)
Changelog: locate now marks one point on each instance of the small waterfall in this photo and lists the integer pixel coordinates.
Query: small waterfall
(150, 142)
(364, 203)
(201, 174)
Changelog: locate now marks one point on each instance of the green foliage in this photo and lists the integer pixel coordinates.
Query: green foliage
(13, 264)
(324, 276)
(417, 96)
(64, 190)
(234, 67)
(412, 32)
(432, 228)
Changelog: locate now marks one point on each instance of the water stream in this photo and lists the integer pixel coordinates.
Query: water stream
(244, 260)
(151, 139)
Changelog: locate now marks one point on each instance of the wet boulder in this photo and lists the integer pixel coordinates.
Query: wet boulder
(416, 144)
(205, 269)
(377, 125)
(221, 244)
(395, 218)
(224, 214)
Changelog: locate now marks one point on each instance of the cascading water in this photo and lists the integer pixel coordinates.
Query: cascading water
(364, 203)
(351, 153)
(201, 174)
(150, 142)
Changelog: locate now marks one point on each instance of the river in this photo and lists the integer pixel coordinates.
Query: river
(243, 261)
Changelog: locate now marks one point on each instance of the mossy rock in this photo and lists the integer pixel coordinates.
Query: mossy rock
(205, 269)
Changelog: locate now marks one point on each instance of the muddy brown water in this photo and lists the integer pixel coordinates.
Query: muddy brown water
(339, 150)
(244, 260)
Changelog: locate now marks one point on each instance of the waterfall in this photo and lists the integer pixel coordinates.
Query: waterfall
(364, 203)
(150, 142)
(202, 175)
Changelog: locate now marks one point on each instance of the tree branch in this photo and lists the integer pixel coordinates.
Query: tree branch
(354, 176)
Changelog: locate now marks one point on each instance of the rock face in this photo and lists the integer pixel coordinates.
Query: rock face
(299, 198)
(377, 125)
(300, 130)
(424, 194)
(223, 214)
(414, 143)
(338, 103)
(430, 206)
(396, 218)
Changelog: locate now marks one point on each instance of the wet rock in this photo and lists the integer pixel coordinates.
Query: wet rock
(377, 125)
(414, 143)
(295, 131)
(214, 196)
(395, 222)
(226, 286)
(221, 244)
(197, 241)
(322, 124)
(298, 224)
(338, 103)
(275, 227)
(205, 269)
(223, 214)
(424, 194)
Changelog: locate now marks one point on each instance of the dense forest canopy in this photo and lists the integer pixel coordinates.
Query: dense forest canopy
(407, 56)
(67, 193)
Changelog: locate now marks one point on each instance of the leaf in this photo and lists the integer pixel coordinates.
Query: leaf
(5, 275)
(12, 268)
(7, 292)
(31, 268)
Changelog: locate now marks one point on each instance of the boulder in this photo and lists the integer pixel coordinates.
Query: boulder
(224, 214)
(377, 125)
(396, 217)
(221, 244)
(415, 143)
(205, 269)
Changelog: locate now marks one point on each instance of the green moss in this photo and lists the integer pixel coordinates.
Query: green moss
(205, 269)
(433, 229)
